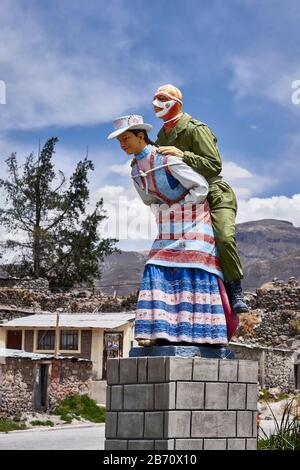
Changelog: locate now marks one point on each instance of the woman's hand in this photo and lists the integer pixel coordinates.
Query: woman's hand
(165, 150)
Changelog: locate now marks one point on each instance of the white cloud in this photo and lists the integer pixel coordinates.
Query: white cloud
(275, 207)
(123, 170)
(266, 75)
(234, 172)
(248, 186)
(62, 80)
(245, 183)
(129, 219)
(110, 193)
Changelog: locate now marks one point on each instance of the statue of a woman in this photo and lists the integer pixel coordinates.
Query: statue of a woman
(182, 299)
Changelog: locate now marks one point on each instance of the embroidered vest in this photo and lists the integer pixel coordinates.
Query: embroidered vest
(167, 188)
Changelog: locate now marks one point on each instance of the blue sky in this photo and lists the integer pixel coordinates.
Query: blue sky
(70, 67)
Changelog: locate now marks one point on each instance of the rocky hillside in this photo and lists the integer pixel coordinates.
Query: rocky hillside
(274, 319)
(268, 248)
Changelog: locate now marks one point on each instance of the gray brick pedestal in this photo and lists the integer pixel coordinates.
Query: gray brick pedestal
(181, 403)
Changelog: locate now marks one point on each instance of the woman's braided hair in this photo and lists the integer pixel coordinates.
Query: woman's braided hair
(146, 137)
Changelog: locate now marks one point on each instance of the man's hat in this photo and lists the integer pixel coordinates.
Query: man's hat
(125, 123)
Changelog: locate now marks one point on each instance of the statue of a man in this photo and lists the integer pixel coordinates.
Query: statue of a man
(194, 142)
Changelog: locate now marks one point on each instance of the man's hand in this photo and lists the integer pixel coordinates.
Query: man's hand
(165, 150)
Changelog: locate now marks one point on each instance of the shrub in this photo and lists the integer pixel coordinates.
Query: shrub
(7, 425)
(266, 395)
(295, 325)
(248, 323)
(83, 406)
(287, 431)
(38, 422)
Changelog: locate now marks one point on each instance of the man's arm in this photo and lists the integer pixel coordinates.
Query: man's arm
(205, 157)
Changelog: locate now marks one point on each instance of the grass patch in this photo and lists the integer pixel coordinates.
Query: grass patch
(38, 422)
(7, 425)
(286, 435)
(295, 325)
(266, 396)
(83, 406)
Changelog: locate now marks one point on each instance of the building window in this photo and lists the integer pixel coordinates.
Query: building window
(46, 340)
(69, 340)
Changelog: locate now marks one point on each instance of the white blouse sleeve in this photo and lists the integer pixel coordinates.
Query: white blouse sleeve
(190, 179)
(147, 199)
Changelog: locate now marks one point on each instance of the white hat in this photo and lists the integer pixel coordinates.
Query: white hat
(125, 123)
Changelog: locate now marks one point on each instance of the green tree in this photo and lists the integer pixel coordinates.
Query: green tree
(60, 240)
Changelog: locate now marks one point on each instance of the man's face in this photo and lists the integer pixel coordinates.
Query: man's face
(161, 98)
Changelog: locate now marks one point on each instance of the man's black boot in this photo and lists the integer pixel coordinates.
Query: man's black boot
(236, 297)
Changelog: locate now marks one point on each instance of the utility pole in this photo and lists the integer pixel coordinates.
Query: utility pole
(56, 335)
(117, 286)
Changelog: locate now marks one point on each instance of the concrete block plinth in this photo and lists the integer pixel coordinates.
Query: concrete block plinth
(183, 351)
(181, 403)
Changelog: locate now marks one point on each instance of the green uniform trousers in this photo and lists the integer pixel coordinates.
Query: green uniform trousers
(223, 208)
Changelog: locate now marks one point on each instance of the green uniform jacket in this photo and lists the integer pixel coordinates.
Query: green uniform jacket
(201, 153)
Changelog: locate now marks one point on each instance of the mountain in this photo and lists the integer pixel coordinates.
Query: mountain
(282, 267)
(266, 239)
(122, 272)
(268, 248)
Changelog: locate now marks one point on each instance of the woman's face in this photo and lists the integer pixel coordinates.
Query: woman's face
(131, 143)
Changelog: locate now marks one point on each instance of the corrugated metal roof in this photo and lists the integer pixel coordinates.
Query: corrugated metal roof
(96, 320)
(34, 356)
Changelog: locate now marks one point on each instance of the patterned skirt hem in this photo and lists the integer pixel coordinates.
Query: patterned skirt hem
(183, 338)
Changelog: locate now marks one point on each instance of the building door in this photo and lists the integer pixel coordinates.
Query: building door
(113, 347)
(14, 339)
(41, 387)
(297, 376)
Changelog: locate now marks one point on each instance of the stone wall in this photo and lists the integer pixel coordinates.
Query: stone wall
(73, 301)
(37, 285)
(276, 329)
(274, 319)
(282, 297)
(17, 382)
(276, 366)
(69, 378)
